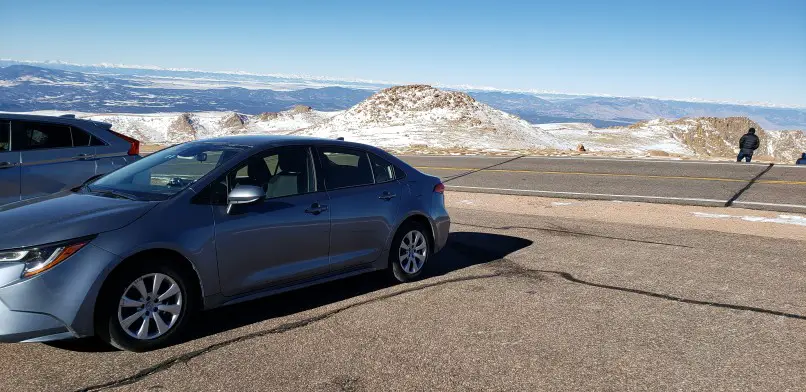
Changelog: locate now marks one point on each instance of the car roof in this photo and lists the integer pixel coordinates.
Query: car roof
(54, 119)
(280, 140)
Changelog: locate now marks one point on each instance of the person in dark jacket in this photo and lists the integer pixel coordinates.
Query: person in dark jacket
(747, 145)
(802, 160)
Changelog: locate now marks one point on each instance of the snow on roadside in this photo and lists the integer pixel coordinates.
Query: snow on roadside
(781, 219)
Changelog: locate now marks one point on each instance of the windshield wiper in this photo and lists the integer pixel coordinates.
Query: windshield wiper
(113, 193)
(85, 183)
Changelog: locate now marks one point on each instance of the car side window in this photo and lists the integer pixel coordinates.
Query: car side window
(26, 135)
(5, 136)
(383, 171)
(345, 167)
(399, 173)
(94, 141)
(80, 138)
(283, 171)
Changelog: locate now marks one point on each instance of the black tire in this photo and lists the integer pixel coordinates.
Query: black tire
(107, 324)
(396, 266)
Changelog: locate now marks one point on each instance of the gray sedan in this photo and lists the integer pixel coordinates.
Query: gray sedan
(132, 255)
(40, 155)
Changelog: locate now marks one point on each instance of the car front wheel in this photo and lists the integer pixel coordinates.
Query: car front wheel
(145, 308)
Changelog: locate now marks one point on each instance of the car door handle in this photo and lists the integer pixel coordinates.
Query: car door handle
(85, 157)
(316, 209)
(387, 196)
(7, 165)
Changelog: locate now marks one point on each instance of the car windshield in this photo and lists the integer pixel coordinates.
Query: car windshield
(164, 173)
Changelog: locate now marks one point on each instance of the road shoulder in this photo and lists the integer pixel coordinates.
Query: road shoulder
(727, 220)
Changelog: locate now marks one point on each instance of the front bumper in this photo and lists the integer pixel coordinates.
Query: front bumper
(57, 304)
(26, 326)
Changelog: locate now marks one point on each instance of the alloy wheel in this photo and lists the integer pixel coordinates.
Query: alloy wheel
(150, 306)
(413, 252)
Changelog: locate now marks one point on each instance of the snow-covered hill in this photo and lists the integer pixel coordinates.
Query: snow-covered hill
(422, 115)
(701, 137)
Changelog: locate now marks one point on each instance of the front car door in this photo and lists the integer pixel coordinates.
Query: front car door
(9, 167)
(282, 240)
(364, 200)
(50, 160)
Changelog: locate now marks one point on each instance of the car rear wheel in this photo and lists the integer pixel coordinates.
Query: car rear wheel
(145, 308)
(411, 249)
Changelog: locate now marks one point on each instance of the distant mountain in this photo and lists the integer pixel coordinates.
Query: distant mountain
(130, 89)
(614, 111)
(27, 88)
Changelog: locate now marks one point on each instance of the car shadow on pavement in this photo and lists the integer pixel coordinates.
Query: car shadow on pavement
(491, 247)
(495, 246)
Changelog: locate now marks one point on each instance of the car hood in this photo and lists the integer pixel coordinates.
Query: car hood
(63, 216)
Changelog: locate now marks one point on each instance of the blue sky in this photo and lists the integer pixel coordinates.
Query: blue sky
(709, 49)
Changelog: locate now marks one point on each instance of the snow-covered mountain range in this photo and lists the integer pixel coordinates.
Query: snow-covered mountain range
(425, 119)
(26, 86)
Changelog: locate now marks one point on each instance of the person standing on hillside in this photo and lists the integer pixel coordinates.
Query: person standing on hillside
(747, 145)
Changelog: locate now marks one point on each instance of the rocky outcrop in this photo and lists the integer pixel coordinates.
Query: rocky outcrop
(719, 137)
(267, 116)
(182, 129)
(581, 148)
(234, 120)
(301, 109)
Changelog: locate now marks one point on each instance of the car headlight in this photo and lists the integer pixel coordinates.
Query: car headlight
(42, 258)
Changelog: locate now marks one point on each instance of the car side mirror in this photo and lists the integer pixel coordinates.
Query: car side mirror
(245, 194)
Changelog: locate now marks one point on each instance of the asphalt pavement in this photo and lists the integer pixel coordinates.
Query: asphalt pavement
(754, 185)
(514, 303)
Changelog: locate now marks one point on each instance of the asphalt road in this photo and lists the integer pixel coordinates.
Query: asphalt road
(760, 186)
(514, 303)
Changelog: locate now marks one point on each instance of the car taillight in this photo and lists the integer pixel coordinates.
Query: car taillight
(439, 188)
(134, 149)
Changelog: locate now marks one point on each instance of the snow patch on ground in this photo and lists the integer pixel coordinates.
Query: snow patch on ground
(781, 219)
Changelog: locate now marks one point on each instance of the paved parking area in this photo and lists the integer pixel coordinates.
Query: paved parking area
(514, 303)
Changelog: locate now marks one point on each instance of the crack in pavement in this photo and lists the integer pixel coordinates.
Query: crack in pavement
(576, 233)
(467, 173)
(518, 270)
(502, 267)
(571, 278)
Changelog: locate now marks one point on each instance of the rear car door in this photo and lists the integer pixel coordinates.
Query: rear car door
(113, 150)
(9, 167)
(277, 242)
(50, 160)
(363, 205)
